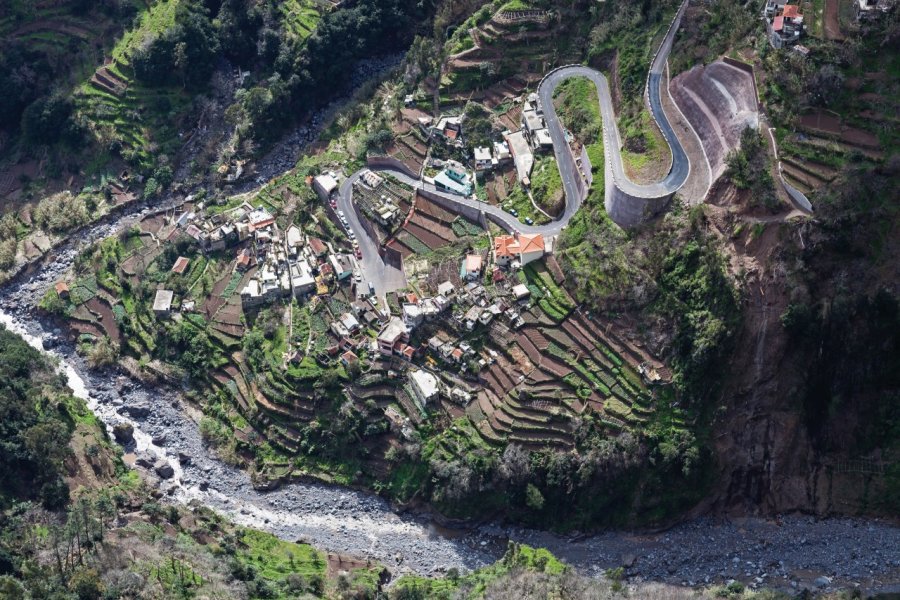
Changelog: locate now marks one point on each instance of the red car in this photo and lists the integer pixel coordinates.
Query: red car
(358, 253)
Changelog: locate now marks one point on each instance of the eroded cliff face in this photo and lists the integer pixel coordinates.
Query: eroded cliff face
(807, 416)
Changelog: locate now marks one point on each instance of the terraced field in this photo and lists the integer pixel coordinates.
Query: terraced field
(142, 121)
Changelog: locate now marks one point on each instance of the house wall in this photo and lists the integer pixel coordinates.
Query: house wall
(530, 257)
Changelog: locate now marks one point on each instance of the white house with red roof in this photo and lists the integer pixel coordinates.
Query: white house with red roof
(522, 248)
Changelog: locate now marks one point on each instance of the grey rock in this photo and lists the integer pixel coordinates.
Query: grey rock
(135, 411)
(124, 433)
(164, 470)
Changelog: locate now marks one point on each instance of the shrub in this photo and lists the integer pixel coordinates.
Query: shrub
(61, 212)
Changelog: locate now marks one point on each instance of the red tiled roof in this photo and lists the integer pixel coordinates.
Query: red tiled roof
(411, 298)
(262, 224)
(505, 245)
(450, 133)
(62, 287)
(318, 246)
(778, 23)
(180, 265)
(791, 11)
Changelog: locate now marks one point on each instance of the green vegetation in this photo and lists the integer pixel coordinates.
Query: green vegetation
(749, 169)
(483, 582)
(517, 5)
(38, 418)
(546, 186)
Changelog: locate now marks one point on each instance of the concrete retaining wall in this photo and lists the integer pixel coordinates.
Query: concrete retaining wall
(473, 214)
(629, 211)
(389, 162)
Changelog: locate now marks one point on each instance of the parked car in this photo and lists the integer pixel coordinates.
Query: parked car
(358, 253)
(514, 212)
(340, 214)
(529, 221)
(358, 277)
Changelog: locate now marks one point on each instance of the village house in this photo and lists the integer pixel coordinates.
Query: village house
(325, 185)
(392, 337)
(483, 158)
(522, 249)
(454, 179)
(869, 9)
(448, 129)
(412, 315)
(784, 23)
(349, 359)
(471, 267)
(341, 265)
(501, 152)
(425, 387)
(162, 302)
(521, 155)
(180, 265)
(521, 291)
(446, 289)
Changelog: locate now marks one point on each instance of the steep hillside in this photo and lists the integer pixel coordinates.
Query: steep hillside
(76, 523)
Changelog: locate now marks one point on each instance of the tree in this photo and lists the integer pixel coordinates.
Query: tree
(515, 465)
(254, 348)
(825, 86)
(533, 497)
(45, 120)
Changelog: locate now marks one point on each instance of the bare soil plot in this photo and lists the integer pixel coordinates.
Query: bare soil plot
(832, 21)
(106, 318)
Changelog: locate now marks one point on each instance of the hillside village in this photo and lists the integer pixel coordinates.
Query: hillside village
(483, 329)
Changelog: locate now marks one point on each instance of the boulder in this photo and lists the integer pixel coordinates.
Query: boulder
(136, 411)
(184, 458)
(144, 460)
(164, 469)
(124, 433)
(159, 439)
(822, 581)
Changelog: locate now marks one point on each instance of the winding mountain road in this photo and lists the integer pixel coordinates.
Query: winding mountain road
(387, 278)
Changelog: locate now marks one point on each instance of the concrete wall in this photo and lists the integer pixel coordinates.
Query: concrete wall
(628, 211)
(473, 214)
(391, 163)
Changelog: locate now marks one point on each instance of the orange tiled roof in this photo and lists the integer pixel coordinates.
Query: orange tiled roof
(791, 11)
(505, 245)
(531, 243)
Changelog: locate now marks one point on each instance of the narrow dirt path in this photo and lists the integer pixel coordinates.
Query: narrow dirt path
(832, 21)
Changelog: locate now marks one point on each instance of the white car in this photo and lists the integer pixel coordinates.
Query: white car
(357, 277)
(340, 214)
